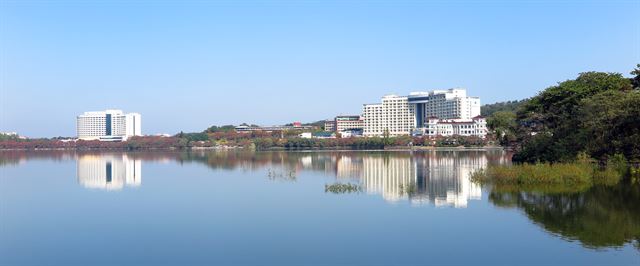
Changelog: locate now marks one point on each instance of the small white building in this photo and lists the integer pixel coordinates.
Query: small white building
(449, 127)
(317, 135)
(350, 133)
(348, 122)
(108, 125)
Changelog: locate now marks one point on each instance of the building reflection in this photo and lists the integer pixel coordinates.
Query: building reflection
(389, 176)
(349, 167)
(441, 178)
(445, 180)
(109, 172)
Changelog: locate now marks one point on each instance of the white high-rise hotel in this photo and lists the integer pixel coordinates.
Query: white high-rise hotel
(456, 113)
(394, 115)
(109, 125)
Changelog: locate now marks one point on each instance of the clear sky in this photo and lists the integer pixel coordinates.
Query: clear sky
(186, 65)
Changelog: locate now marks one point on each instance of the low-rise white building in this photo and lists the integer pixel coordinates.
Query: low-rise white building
(317, 135)
(449, 127)
(348, 122)
(247, 128)
(351, 133)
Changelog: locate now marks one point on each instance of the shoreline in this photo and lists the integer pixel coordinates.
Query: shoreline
(224, 148)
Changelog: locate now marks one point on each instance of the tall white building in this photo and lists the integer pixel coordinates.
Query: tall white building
(394, 115)
(405, 115)
(444, 104)
(109, 125)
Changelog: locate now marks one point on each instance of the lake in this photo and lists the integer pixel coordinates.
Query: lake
(299, 208)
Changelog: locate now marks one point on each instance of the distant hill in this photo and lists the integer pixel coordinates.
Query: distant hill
(489, 109)
(316, 124)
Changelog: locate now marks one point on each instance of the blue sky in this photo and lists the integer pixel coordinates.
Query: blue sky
(191, 64)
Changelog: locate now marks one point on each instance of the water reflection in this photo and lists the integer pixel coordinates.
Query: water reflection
(423, 178)
(602, 216)
(109, 171)
(440, 178)
(437, 177)
(429, 177)
(598, 217)
(446, 180)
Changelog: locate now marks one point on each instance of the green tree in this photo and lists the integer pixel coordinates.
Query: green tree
(194, 136)
(503, 124)
(611, 124)
(5, 137)
(511, 106)
(550, 127)
(635, 81)
(225, 128)
(386, 140)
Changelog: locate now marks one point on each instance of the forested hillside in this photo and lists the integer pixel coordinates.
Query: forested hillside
(597, 114)
(508, 106)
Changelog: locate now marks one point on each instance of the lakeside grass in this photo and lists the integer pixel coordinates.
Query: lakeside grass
(546, 177)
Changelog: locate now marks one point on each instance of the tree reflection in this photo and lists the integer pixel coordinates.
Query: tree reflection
(599, 217)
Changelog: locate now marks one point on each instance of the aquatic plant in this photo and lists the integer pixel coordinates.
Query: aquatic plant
(342, 188)
(409, 189)
(286, 175)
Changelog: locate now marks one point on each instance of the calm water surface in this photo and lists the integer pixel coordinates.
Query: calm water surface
(280, 208)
